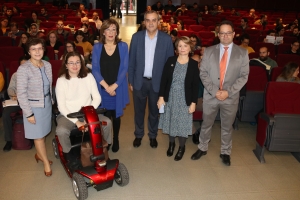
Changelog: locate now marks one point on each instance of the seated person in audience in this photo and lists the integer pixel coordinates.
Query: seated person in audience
(44, 13)
(252, 13)
(4, 26)
(295, 33)
(95, 31)
(9, 14)
(61, 31)
(79, 14)
(75, 87)
(6, 119)
(280, 32)
(233, 12)
(182, 8)
(70, 47)
(96, 20)
(205, 10)
(217, 29)
(173, 20)
(289, 73)
(264, 60)
(37, 2)
(53, 41)
(199, 19)
(294, 48)
(87, 35)
(87, 47)
(272, 32)
(262, 21)
(83, 10)
(196, 42)
(24, 38)
(220, 9)
(180, 26)
(16, 11)
(244, 24)
(14, 32)
(195, 8)
(279, 24)
(34, 19)
(169, 8)
(164, 28)
(34, 32)
(157, 7)
(245, 40)
(173, 35)
(142, 26)
(178, 13)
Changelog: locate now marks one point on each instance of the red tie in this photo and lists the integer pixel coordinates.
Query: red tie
(223, 66)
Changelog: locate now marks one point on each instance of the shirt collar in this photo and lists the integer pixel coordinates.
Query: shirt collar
(154, 36)
(230, 46)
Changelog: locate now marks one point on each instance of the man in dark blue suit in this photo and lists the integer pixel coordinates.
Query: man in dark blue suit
(149, 50)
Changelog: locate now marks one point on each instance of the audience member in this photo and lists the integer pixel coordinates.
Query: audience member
(86, 46)
(169, 8)
(233, 12)
(264, 60)
(34, 92)
(4, 26)
(144, 75)
(220, 9)
(16, 11)
(95, 31)
(33, 19)
(289, 73)
(245, 40)
(196, 42)
(164, 27)
(7, 111)
(70, 47)
(53, 41)
(44, 13)
(244, 24)
(178, 95)
(24, 38)
(110, 66)
(35, 32)
(279, 24)
(61, 31)
(205, 10)
(182, 8)
(14, 32)
(252, 13)
(9, 14)
(195, 8)
(262, 21)
(173, 35)
(157, 7)
(180, 26)
(96, 20)
(294, 48)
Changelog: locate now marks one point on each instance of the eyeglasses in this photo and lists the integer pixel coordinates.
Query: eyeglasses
(72, 64)
(37, 49)
(227, 34)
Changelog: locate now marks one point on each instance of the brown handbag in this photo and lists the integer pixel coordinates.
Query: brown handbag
(86, 151)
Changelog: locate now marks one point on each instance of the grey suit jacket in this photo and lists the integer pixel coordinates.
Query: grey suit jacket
(235, 78)
(163, 50)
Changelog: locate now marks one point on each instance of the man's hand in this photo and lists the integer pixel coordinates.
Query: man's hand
(222, 95)
(192, 108)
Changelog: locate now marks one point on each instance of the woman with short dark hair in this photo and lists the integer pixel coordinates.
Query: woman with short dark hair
(34, 91)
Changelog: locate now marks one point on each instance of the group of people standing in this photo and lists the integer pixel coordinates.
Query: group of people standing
(154, 75)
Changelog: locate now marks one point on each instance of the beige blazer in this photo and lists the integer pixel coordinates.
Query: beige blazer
(235, 78)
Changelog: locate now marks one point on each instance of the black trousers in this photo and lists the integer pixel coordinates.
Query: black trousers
(140, 98)
(7, 121)
(119, 15)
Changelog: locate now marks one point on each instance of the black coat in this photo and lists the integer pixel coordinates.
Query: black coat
(191, 83)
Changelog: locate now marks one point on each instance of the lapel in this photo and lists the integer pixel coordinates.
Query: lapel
(157, 46)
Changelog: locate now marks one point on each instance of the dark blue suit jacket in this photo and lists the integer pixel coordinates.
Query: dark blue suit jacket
(163, 50)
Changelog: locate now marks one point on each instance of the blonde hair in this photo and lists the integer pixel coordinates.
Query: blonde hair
(185, 40)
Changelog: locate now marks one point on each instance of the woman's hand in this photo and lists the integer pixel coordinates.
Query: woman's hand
(56, 51)
(111, 89)
(160, 102)
(192, 108)
(31, 120)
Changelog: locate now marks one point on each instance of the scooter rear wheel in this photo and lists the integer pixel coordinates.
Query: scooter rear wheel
(55, 148)
(122, 175)
(79, 186)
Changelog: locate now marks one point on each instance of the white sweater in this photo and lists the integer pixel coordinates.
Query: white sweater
(75, 93)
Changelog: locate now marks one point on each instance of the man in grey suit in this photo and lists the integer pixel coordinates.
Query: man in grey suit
(149, 50)
(221, 89)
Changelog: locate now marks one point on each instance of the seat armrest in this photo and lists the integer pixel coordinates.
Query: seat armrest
(268, 118)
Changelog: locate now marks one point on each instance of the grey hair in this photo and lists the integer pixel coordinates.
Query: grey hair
(151, 12)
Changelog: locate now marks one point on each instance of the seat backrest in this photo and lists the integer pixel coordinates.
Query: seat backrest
(5, 41)
(196, 28)
(257, 79)
(13, 67)
(56, 65)
(283, 59)
(50, 24)
(207, 23)
(62, 51)
(8, 54)
(283, 48)
(275, 72)
(50, 53)
(282, 97)
(185, 33)
(253, 55)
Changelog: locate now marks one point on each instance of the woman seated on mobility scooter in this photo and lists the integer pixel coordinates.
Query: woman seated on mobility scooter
(75, 88)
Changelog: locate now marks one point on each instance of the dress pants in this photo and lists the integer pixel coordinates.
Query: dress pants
(140, 100)
(227, 115)
(7, 121)
(65, 126)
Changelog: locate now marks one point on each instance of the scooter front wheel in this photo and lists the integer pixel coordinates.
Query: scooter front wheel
(122, 175)
(79, 186)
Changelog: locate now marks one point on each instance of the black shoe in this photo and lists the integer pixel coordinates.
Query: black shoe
(180, 153)
(115, 146)
(196, 137)
(153, 142)
(108, 147)
(137, 142)
(225, 159)
(7, 146)
(171, 149)
(197, 155)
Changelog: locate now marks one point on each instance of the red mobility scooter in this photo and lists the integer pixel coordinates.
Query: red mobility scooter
(104, 171)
